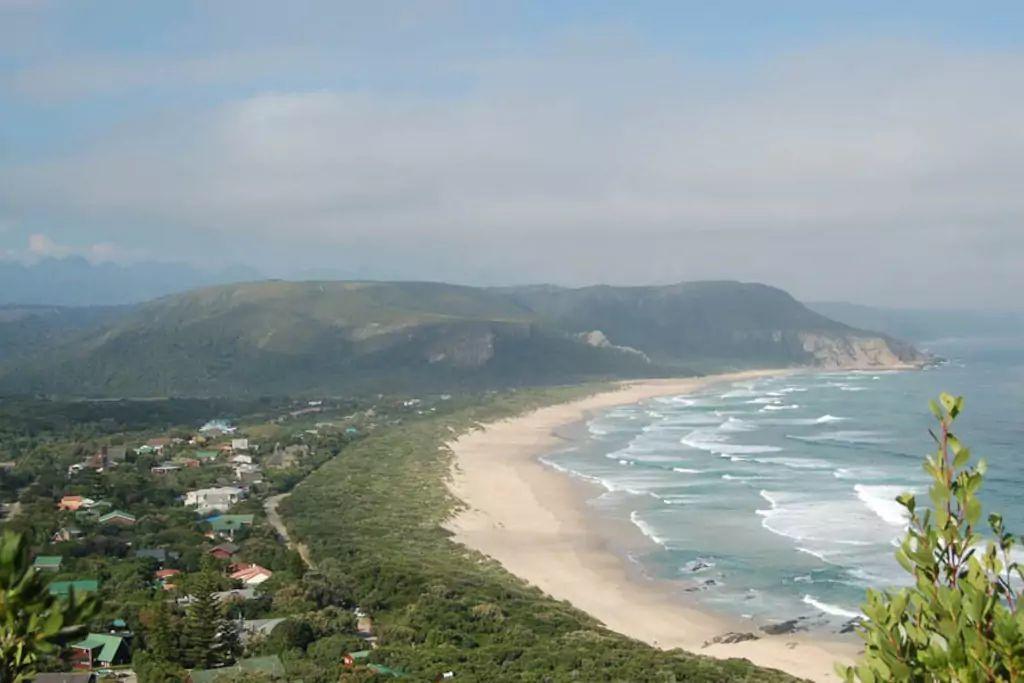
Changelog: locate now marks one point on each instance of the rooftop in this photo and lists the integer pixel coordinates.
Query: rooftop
(269, 666)
(47, 562)
(107, 644)
(63, 588)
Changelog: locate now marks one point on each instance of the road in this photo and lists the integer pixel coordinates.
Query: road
(270, 507)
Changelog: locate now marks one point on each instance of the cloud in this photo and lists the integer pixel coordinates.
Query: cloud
(591, 160)
(40, 246)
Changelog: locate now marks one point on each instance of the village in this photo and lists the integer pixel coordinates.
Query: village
(160, 529)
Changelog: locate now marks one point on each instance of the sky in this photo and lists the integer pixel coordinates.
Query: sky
(863, 151)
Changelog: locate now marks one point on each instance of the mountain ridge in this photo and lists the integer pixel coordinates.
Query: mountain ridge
(277, 337)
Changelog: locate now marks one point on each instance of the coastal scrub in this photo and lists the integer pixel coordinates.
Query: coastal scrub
(961, 620)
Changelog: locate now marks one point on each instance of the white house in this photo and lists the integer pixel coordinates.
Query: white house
(239, 444)
(219, 499)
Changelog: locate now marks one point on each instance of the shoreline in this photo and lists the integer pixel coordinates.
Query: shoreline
(534, 520)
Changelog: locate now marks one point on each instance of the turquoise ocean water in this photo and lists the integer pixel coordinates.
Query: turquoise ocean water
(773, 499)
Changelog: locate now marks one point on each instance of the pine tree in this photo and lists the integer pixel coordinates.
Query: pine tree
(202, 620)
(163, 637)
(228, 643)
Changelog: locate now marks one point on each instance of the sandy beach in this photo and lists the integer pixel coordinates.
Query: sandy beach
(534, 521)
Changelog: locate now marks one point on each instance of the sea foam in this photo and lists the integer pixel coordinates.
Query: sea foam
(880, 499)
(830, 609)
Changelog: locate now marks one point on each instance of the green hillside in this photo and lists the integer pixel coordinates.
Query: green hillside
(277, 337)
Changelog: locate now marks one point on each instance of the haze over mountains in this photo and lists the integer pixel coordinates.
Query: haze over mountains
(276, 337)
(75, 281)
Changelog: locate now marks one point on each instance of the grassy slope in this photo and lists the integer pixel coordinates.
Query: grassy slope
(290, 338)
(378, 509)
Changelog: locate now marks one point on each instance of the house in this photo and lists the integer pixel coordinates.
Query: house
(66, 533)
(119, 627)
(350, 659)
(384, 670)
(118, 518)
(65, 677)
(227, 525)
(239, 445)
(48, 563)
(75, 503)
(158, 554)
(252, 628)
(97, 461)
(191, 463)
(159, 443)
(287, 457)
(164, 578)
(165, 468)
(248, 474)
(115, 454)
(241, 459)
(62, 589)
(99, 649)
(235, 595)
(250, 574)
(219, 499)
(269, 667)
(215, 427)
(224, 551)
(206, 456)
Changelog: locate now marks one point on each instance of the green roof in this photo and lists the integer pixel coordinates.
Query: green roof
(47, 562)
(117, 513)
(230, 522)
(207, 455)
(107, 644)
(81, 586)
(270, 665)
(388, 671)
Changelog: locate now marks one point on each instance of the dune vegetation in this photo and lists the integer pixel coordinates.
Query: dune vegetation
(378, 510)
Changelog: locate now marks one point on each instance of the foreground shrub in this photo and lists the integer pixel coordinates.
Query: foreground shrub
(961, 620)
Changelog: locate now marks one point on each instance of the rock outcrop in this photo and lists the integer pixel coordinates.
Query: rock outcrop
(838, 351)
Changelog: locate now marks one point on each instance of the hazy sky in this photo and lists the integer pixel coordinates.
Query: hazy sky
(865, 151)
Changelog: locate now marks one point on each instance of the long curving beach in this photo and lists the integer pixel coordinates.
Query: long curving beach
(534, 521)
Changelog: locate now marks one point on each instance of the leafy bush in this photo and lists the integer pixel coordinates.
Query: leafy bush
(34, 625)
(962, 618)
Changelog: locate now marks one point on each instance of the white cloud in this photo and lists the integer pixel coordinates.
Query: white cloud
(884, 152)
(40, 246)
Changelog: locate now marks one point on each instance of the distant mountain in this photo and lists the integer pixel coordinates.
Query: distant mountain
(925, 325)
(278, 337)
(74, 281)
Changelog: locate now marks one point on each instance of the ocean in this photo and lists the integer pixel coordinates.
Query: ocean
(773, 499)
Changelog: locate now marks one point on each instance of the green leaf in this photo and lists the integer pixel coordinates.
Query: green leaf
(972, 511)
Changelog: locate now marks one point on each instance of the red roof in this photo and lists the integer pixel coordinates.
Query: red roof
(166, 573)
(248, 572)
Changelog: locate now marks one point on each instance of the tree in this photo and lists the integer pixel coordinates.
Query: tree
(163, 634)
(201, 622)
(151, 669)
(228, 644)
(961, 620)
(210, 637)
(33, 623)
